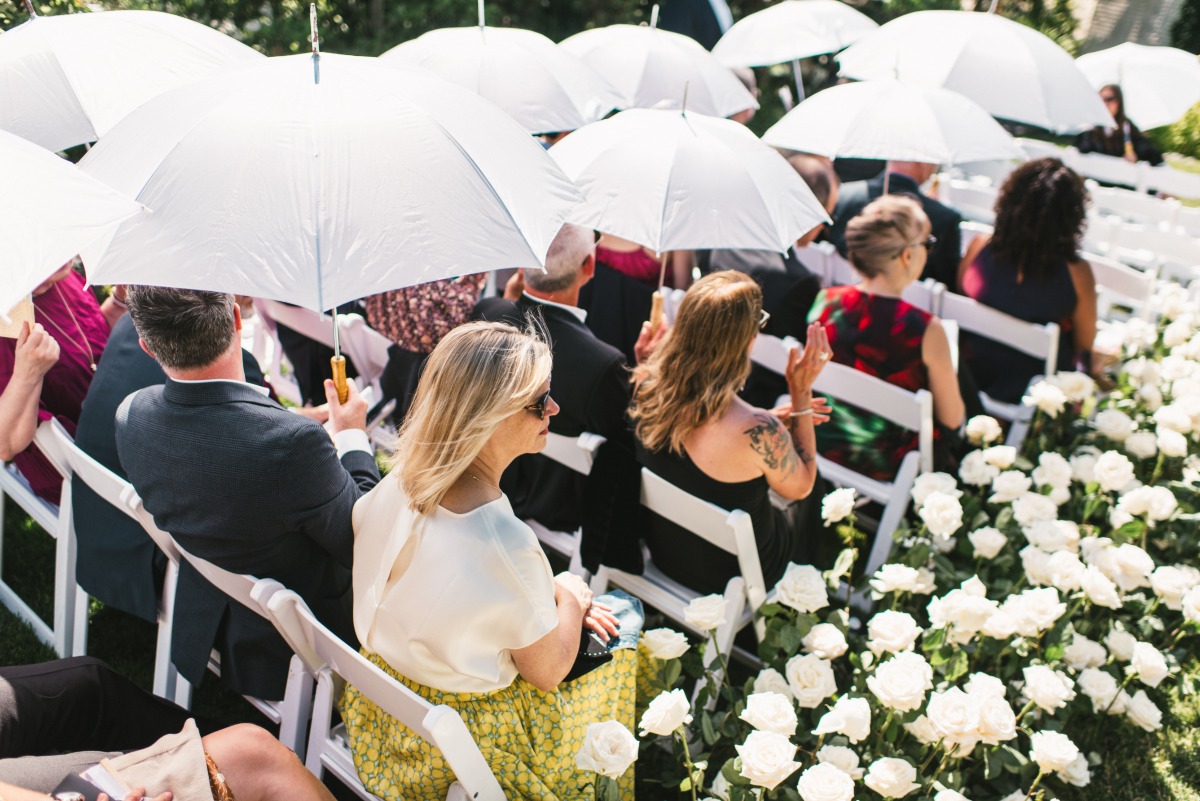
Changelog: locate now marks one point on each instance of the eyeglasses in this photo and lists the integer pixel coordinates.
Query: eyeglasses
(929, 242)
(762, 321)
(538, 407)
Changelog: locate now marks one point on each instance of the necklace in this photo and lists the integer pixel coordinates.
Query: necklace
(91, 356)
(469, 474)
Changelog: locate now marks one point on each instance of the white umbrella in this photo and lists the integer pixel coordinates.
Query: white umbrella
(542, 86)
(266, 183)
(1159, 84)
(1013, 71)
(890, 120)
(49, 211)
(68, 79)
(791, 30)
(673, 180)
(652, 68)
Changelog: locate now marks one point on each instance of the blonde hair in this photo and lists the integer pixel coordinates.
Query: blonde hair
(881, 232)
(478, 375)
(694, 374)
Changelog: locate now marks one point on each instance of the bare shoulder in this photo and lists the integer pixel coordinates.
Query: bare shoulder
(768, 439)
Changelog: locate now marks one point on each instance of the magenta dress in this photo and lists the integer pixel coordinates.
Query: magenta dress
(66, 384)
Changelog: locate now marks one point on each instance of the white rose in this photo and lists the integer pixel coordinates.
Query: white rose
(770, 712)
(1052, 750)
(706, 613)
(849, 716)
(1142, 712)
(1100, 589)
(1150, 396)
(770, 680)
(983, 430)
(1048, 688)
(1162, 504)
(901, 682)
(1142, 445)
(1173, 301)
(1000, 456)
(955, 715)
(975, 471)
(664, 643)
(720, 787)
(1174, 418)
(983, 685)
(1009, 485)
(1077, 772)
(1149, 664)
(1120, 644)
(842, 758)
(1083, 465)
(1053, 535)
(928, 483)
(608, 749)
(1036, 564)
(925, 732)
(826, 782)
(1171, 443)
(1171, 584)
(1052, 471)
(1059, 495)
(891, 632)
(1035, 610)
(1133, 567)
(1191, 605)
(1065, 571)
(1032, 507)
(1083, 653)
(926, 582)
(942, 514)
(1046, 397)
(1177, 333)
(1102, 689)
(1077, 386)
(666, 713)
(837, 505)
(964, 610)
(1002, 625)
(1114, 425)
(825, 640)
(1113, 471)
(891, 777)
(811, 680)
(802, 588)
(997, 722)
(987, 542)
(894, 578)
(767, 758)
(950, 795)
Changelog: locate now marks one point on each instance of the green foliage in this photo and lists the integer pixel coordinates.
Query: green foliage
(1185, 31)
(1183, 137)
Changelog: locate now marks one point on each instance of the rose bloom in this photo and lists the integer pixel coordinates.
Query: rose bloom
(842, 758)
(1083, 653)
(1052, 750)
(767, 759)
(1171, 443)
(608, 749)
(1000, 456)
(942, 514)
(1120, 644)
(849, 716)
(901, 682)
(950, 795)
(1053, 535)
(1001, 625)
(770, 712)
(825, 640)
(666, 713)
(927, 483)
(1133, 567)
(811, 680)
(770, 680)
(1149, 664)
(1009, 485)
(1065, 571)
(955, 715)
(1077, 386)
(1114, 425)
(1052, 471)
(1191, 605)
(1032, 507)
(926, 582)
(1173, 418)
(1113, 471)
(987, 542)
(894, 578)
(1083, 464)
(965, 610)
(1172, 583)
(997, 722)
(664, 643)
(891, 777)
(1102, 689)
(1142, 712)
(983, 430)
(837, 505)
(1100, 589)
(1142, 445)
(1035, 610)
(891, 632)
(802, 588)
(983, 685)
(975, 471)
(923, 730)
(1077, 772)
(1048, 688)
(1150, 396)
(706, 613)
(826, 782)
(1036, 564)
(1046, 397)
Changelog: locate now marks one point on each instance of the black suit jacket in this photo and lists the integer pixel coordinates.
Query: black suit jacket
(255, 489)
(621, 305)
(118, 563)
(943, 261)
(590, 383)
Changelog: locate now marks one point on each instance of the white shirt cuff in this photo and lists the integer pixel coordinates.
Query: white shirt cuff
(352, 439)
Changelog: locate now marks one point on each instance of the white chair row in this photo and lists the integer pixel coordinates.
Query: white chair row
(1175, 256)
(974, 200)
(1116, 170)
(577, 453)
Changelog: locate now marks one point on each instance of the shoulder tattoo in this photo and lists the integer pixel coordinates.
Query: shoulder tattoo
(769, 441)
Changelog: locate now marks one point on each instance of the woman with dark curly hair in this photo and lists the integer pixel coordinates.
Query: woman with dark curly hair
(1030, 268)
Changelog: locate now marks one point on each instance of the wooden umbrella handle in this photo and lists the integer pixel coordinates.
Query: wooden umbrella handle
(338, 363)
(656, 310)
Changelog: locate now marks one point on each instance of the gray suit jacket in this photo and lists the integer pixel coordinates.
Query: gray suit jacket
(254, 489)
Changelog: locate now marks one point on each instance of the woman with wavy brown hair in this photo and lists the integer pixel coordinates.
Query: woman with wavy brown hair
(1030, 268)
(694, 431)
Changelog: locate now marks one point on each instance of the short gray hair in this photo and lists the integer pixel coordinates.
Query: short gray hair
(185, 329)
(564, 260)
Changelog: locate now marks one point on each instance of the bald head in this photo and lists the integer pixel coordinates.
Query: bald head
(817, 173)
(565, 260)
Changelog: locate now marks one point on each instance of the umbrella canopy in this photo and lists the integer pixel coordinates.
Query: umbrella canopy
(890, 120)
(67, 80)
(653, 68)
(543, 87)
(49, 211)
(266, 182)
(1008, 68)
(791, 30)
(1159, 84)
(673, 180)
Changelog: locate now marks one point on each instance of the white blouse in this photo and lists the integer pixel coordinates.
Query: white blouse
(445, 598)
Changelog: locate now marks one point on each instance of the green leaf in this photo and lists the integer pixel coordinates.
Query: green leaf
(706, 727)
(1130, 531)
(685, 786)
(933, 639)
(957, 666)
(672, 670)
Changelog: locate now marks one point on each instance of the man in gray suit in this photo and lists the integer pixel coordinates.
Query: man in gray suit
(241, 482)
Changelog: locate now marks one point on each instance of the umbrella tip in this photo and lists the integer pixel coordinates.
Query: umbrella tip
(653, 15)
(29, 7)
(312, 24)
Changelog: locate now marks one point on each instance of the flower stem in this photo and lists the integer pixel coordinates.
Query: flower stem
(687, 760)
(1025, 709)
(724, 665)
(1033, 786)
(1117, 694)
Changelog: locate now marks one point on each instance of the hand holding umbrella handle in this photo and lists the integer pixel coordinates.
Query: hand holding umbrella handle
(338, 363)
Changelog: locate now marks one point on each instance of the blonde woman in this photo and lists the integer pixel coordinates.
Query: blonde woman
(454, 597)
(694, 431)
(872, 329)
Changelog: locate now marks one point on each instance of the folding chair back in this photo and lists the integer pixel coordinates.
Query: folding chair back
(332, 662)
(317, 327)
(926, 295)
(1169, 181)
(1176, 255)
(972, 200)
(1120, 284)
(577, 453)
(969, 230)
(1136, 207)
(1037, 149)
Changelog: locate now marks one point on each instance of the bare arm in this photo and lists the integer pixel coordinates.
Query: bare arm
(680, 264)
(976, 245)
(1083, 320)
(948, 405)
(546, 663)
(36, 353)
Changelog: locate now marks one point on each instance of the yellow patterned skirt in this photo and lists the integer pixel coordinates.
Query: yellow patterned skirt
(528, 737)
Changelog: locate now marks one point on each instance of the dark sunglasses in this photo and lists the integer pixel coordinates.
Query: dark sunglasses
(538, 407)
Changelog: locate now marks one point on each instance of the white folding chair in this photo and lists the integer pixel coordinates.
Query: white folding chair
(972, 200)
(1109, 169)
(577, 453)
(969, 231)
(333, 664)
(1118, 284)
(52, 437)
(1176, 256)
(1037, 149)
(292, 713)
(1177, 183)
(731, 531)
(839, 271)
(1135, 207)
(992, 173)
(67, 632)
(926, 294)
(1039, 341)
(317, 327)
(1187, 220)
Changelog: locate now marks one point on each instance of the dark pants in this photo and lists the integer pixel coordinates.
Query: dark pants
(78, 704)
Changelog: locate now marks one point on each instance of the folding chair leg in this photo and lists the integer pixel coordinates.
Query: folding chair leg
(296, 707)
(183, 691)
(599, 583)
(166, 677)
(322, 713)
(65, 587)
